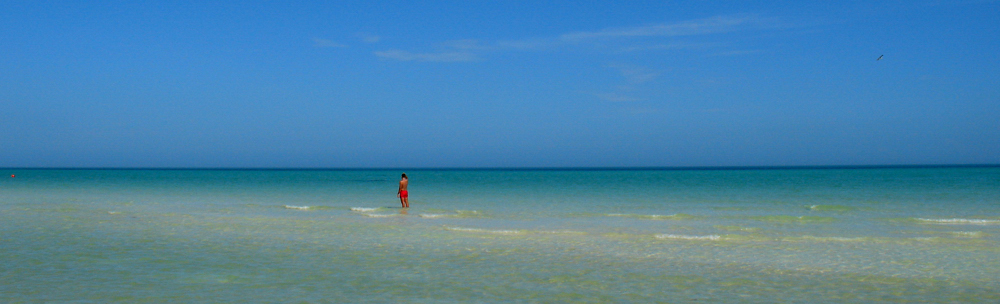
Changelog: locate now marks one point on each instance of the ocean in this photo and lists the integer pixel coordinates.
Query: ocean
(797, 235)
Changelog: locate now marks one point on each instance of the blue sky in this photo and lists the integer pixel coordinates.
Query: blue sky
(498, 84)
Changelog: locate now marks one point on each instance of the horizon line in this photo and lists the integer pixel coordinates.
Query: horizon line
(608, 168)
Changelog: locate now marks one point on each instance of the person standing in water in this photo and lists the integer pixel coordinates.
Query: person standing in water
(404, 197)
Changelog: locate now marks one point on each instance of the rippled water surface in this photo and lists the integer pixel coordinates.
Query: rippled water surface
(679, 236)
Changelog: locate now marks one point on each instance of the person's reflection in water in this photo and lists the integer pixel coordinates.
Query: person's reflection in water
(404, 211)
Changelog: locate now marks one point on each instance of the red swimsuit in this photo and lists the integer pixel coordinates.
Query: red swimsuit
(403, 194)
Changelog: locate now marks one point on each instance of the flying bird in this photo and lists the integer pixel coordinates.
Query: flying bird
(879, 57)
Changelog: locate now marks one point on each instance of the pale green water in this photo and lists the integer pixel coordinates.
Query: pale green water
(817, 235)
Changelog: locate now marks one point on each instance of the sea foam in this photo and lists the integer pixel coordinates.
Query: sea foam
(959, 221)
(688, 237)
(560, 232)
(363, 209)
(835, 238)
(381, 215)
(788, 219)
(835, 208)
(457, 214)
(967, 234)
(463, 229)
(297, 207)
(678, 216)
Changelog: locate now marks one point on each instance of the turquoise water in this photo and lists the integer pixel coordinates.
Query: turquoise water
(678, 236)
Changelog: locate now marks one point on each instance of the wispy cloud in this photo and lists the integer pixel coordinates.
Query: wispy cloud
(666, 47)
(369, 38)
(467, 45)
(622, 35)
(327, 43)
(432, 57)
(634, 77)
(641, 110)
(687, 28)
(737, 53)
(617, 38)
(528, 44)
(616, 97)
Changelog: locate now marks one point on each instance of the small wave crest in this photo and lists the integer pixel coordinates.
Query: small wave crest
(381, 214)
(478, 230)
(678, 216)
(736, 228)
(297, 207)
(688, 237)
(834, 238)
(364, 209)
(732, 208)
(967, 234)
(833, 208)
(468, 213)
(788, 219)
(457, 214)
(960, 221)
(560, 232)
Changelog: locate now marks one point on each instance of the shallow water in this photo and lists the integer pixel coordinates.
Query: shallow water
(803, 235)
